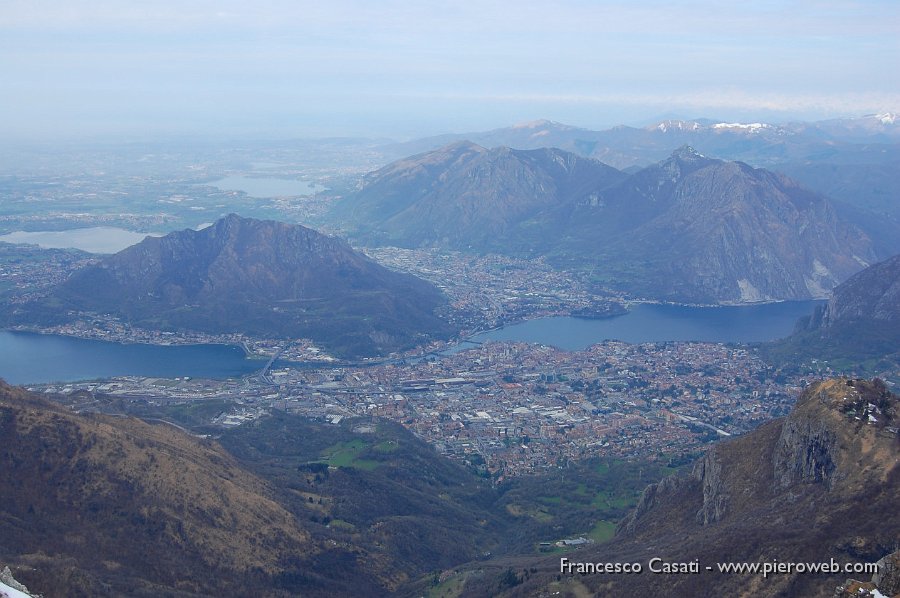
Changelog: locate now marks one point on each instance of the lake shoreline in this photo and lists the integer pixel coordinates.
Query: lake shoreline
(643, 323)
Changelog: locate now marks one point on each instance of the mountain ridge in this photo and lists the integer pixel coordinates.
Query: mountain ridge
(732, 233)
(621, 146)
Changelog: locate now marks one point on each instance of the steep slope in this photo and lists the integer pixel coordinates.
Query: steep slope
(817, 485)
(465, 196)
(259, 277)
(104, 505)
(112, 506)
(870, 295)
(858, 328)
(696, 229)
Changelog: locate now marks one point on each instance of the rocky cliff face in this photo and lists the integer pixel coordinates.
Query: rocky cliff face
(820, 483)
(835, 426)
(807, 448)
(258, 277)
(715, 491)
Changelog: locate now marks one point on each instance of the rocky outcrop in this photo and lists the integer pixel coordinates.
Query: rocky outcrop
(887, 579)
(705, 485)
(715, 498)
(653, 496)
(885, 582)
(835, 427)
(6, 578)
(805, 450)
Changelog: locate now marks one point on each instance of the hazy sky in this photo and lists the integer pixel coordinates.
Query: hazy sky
(407, 68)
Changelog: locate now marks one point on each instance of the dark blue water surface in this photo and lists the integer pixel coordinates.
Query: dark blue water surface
(33, 358)
(646, 323)
(27, 358)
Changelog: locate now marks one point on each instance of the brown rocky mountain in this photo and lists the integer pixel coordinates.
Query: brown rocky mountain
(94, 505)
(258, 277)
(97, 505)
(819, 484)
(851, 161)
(464, 196)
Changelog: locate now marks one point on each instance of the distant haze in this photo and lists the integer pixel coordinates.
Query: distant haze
(401, 69)
(97, 239)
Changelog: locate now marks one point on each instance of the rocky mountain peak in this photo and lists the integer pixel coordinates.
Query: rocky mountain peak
(819, 483)
(687, 153)
(840, 437)
(831, 424)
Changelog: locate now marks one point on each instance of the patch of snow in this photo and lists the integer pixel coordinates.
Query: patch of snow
(8, 592)
(861, 261)
(888, 118)
(752, 127)
(677, 125)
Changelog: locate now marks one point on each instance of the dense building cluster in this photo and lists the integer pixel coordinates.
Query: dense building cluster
(515, 408)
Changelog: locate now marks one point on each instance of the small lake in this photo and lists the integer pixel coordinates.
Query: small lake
(95, 239)
(266, 187)
(29, 358)
(648, 322)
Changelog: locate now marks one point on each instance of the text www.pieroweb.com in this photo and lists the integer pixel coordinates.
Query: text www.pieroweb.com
(766, 568)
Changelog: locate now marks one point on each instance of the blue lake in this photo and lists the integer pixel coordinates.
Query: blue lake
(647, 322)
(34, 358)
(28, 358)
(95, 239)
(266, 187)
